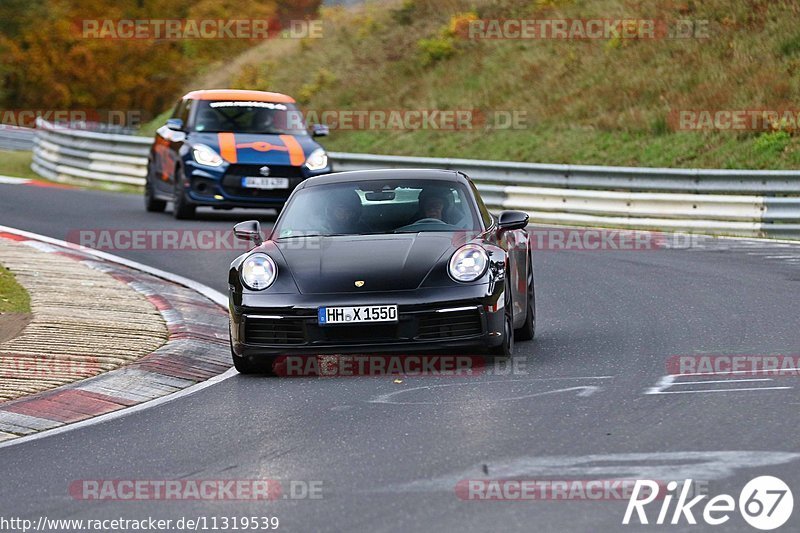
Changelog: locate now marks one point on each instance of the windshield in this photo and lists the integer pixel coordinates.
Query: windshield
(248, 117)
(378, 207)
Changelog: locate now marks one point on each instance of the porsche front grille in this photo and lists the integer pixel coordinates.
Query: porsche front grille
(268, 331)
(448, 325)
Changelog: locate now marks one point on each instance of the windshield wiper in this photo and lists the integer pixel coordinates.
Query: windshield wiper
(331, 235)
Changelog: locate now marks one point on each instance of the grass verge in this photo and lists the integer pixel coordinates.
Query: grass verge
(13, 298)
(17, 164)
(596, 101)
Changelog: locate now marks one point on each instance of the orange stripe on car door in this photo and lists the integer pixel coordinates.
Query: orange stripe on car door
(296, 155)
(227, 147)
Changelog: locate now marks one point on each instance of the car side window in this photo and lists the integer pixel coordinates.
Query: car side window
(487, 217)
(184, 114)
(182, 111)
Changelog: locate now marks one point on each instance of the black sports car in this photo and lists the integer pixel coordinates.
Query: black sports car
(382, 261)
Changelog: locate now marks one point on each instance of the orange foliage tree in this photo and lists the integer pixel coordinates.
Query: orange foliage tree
(48, 62)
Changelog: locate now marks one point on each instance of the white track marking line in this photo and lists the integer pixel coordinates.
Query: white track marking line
(669, 381)
(775, 371)
(718, 390)
(10, 180)
(705, 465)
(588, 390)
(719, 381)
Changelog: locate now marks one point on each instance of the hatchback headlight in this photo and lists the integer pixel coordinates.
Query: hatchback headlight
(318, 160)
(468, 263)
(205, 155)
(258, 272)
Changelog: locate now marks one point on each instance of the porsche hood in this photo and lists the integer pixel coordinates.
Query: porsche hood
(381, 262)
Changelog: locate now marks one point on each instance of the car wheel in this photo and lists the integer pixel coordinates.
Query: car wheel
(506, 348)
(151, 203)
(181, 209)
(528, 329)
(244, 365)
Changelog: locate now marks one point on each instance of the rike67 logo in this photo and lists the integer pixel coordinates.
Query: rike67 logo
(765, 503)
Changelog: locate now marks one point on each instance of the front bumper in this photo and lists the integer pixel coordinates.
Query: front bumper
(435, 319)
(221, 187)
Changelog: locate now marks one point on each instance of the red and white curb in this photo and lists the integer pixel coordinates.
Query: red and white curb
(9, 180)
(196, 354)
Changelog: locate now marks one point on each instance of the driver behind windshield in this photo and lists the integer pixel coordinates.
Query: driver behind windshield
(433, 207)
(342, 213)
(264, 120)
(209, 120)
(433, 203)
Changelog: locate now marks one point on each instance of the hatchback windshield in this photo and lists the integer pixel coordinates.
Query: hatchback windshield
(249, 117)
(378, 207)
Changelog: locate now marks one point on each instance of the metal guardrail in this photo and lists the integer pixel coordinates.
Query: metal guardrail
(726, 202)
(62, 154)
(16, 138)
(729, 202)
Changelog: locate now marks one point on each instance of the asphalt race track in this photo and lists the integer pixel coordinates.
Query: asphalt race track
(588, 399)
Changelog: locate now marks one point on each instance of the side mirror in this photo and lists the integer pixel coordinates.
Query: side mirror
(511, 220)
(175, 124)
(249, 231)
(320, 130)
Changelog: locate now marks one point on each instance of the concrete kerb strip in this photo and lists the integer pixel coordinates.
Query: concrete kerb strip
(84, 321)
(195, 356)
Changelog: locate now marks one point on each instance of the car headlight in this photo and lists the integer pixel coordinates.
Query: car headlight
(258, 272)
(468, 263)
(205, 155)
(317, 160)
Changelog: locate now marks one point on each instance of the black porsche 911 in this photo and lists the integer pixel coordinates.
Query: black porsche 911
(382, 261)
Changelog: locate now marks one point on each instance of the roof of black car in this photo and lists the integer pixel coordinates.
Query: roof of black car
(383, 174)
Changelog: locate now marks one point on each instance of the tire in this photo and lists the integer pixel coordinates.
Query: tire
(151, 203)
(182, 209)
(246, 366)
(528, 330)
(506, 348)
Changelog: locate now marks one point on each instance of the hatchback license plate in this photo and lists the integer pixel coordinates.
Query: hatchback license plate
(258, 182)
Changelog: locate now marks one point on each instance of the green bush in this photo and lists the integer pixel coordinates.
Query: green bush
(404, 15)
(436, 49)
(790, 46)
(773, 142)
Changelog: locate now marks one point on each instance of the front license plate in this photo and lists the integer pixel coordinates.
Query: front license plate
(258, 182)
(353, 315)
